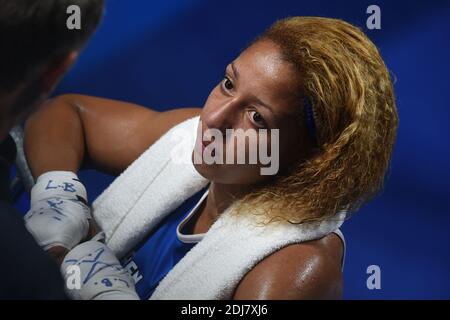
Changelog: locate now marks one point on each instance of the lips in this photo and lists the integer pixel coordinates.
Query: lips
(205, 144)
(203, 141)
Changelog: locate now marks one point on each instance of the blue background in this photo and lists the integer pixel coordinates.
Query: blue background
(170, 53)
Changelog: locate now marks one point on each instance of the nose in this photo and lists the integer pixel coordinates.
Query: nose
(222, 116)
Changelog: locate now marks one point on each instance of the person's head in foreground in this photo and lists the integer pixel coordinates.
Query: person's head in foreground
(37, 48)
(324, 85)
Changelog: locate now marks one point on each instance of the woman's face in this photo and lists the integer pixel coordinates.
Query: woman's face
(260, 90)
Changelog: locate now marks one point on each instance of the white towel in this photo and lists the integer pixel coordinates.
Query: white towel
(150, 188)
(155, 185)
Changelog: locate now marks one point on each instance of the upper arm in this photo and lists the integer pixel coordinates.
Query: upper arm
(117, 132)
(299, 271)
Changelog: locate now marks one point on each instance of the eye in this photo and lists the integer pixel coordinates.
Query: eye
(258, 119)
(227, 84)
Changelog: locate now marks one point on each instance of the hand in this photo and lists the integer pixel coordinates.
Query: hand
(100, 274)
(59, 253)
(59, 215)
(58, 221)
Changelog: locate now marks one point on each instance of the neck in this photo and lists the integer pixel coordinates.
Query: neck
(221, 196)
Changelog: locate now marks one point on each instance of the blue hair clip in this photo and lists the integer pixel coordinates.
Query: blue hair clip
(310, 122)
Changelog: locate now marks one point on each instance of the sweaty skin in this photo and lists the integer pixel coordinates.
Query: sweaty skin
(259, 84)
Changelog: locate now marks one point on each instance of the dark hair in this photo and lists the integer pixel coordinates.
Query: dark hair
(34, 33)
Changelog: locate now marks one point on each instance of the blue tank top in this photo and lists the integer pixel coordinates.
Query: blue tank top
(162, 250)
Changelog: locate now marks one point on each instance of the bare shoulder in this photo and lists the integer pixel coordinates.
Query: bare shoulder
(310, 270)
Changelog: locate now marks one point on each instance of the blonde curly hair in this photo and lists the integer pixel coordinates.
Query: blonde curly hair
(351, 92)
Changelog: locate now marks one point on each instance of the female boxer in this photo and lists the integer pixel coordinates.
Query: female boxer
(322, 83)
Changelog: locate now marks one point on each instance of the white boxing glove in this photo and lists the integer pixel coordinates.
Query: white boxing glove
(63, 184)
(92, 272)
(59, 215)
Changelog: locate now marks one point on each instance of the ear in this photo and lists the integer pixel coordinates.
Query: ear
(56, 71)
